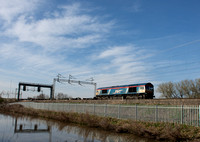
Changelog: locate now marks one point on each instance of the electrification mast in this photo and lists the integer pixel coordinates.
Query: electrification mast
(61, 79)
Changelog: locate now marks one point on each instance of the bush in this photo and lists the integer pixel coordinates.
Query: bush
(1, 100)
(182, 89)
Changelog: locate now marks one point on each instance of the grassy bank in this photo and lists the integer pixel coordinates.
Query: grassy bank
(159, 131)
(5, 101)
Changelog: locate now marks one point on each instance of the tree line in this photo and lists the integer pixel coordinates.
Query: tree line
(182, 89)
(59, 96)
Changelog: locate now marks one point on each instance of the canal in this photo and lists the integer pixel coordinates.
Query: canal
(27, 129)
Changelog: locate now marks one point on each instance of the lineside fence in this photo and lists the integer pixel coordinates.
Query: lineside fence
(189, 115)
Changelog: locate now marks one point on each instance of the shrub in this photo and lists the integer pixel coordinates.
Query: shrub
(1, 100)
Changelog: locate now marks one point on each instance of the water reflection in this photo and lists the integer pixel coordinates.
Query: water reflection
(22, 128)
(15, 129)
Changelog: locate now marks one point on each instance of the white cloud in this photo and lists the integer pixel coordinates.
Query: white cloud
(11, 8)
(136, 7)
(67, 30)
(123, 65)
(69, 27)
(21, 55)
(72, 9)
(40, 48)
(115, 51)
(28, 62)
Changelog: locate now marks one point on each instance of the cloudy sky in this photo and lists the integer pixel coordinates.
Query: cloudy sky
(115, 42)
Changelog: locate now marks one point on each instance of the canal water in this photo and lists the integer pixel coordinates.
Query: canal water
(18, 129)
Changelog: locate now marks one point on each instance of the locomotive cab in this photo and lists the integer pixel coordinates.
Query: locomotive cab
(149, 89)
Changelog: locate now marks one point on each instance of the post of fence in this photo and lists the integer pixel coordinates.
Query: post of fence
(38, 106)
(105, 110)
(94, 108)
(199, 116)
(196, 111)
(35, 106)
(118, 111)
(84, 108)
(191, 110)
(136, 113)
(156, 113)
(44, 105)
(68, 107)
(48, 106)
(182, 117)
(63, 107)
(76, 107)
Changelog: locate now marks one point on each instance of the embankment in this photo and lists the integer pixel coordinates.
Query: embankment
(159, 131)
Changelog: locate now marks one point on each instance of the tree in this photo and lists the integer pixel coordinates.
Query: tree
(195, 88)
(182, 89)
(179, 89)
(186, 87)
(197, 81)
(167, 90)
(42, 96)
(62, 96)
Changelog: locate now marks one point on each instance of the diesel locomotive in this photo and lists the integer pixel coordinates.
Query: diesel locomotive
(142, 90)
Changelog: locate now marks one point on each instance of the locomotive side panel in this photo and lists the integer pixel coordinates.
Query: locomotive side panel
(144, 90)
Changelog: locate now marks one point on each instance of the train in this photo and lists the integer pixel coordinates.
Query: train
(140, 91)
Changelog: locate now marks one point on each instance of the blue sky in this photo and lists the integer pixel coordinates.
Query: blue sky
(116, 42)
